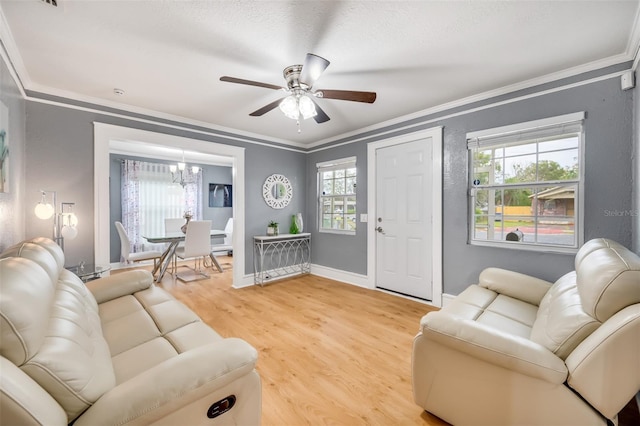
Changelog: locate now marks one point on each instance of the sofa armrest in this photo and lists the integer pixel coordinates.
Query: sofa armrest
(514, 284)
(120, 284)
(23, 401)
(188, 376)
(494, 346)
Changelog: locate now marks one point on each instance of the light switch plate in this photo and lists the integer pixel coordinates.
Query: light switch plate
(363, 217)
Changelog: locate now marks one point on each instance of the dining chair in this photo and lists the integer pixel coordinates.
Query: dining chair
(173, 224)
(226, 246)
(197, 244)
(125, 249)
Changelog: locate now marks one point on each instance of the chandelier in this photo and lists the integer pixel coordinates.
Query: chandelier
(179, 173)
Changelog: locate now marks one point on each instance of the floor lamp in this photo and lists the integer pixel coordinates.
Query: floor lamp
(65, 222)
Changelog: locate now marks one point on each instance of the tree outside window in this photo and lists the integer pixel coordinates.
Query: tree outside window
(337, 198)
(526, 181)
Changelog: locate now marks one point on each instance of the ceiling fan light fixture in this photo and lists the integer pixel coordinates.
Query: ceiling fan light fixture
(307, 107)
(289, 107)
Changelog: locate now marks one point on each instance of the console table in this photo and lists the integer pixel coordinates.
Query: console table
(281, 256)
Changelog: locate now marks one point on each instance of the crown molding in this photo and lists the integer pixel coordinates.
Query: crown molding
(549, 78)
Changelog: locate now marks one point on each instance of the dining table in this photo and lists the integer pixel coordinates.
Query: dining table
(173, 239)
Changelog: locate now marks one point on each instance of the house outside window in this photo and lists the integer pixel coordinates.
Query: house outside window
(337, 196)
(526, 183)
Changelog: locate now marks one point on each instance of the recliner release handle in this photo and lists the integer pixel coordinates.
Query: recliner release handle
(221, 407)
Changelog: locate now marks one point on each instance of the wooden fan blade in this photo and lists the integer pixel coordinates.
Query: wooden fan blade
(250, 82)
(312, 68)
(265, 109)
(320, 116)
(348, 95)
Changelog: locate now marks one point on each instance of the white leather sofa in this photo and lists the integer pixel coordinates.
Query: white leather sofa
(116, 351)
(515, 349)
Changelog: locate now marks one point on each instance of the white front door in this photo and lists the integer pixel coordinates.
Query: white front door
(403, 218)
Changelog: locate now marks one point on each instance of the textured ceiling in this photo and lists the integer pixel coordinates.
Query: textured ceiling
(168, 56)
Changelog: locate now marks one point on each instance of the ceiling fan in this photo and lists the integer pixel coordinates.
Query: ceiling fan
(300, 99)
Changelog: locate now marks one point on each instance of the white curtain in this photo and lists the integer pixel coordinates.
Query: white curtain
(149, 195)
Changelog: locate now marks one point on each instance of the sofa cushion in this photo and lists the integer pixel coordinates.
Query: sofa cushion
(58, 340)
(149, 327)
(22, 331)
(608, 278)
(561, 323)
(501, 312)
(38, 254)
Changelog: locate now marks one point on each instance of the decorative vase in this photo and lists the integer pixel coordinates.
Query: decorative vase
(293, 229)
(299, 222)
(183, 228)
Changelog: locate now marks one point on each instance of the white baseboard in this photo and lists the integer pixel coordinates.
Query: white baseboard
(447, 298)
(247, 281)
(352, 278)
(342, 276)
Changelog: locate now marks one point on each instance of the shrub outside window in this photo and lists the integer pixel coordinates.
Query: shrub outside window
(337, 196)
(525, 185)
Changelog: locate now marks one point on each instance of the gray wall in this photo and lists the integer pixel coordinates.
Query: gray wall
(343, 252)
(12, 207)
(60, 157)
(608, 150)
(210, 174)
(636, 170)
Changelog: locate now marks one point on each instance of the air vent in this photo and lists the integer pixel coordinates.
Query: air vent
(53, 3)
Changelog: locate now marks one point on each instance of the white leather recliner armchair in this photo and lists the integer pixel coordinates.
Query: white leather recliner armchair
(515, 349)
(116, 351)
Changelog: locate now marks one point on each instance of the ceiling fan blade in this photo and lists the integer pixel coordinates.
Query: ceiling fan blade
(312, 68)
(250, 82)
(320, 116)
(348, 95)
(265, 109)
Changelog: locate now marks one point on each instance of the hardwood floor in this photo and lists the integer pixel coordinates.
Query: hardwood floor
(329, 353)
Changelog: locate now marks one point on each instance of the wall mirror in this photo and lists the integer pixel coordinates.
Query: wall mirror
(277, 191)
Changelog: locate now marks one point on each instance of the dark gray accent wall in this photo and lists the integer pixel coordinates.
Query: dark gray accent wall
(608, 166)
(60, 156)
(12, 207)
(210, 174)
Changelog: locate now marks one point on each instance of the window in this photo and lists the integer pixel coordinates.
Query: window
(149, 195)
(337, 196)
(525, 184)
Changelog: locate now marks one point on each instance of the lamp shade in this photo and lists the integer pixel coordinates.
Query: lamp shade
(307, 108)
(71, 219)
(44, 210)
(69, 232)
(289, 107)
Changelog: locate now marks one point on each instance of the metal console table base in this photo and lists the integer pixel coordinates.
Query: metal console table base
(281, 256)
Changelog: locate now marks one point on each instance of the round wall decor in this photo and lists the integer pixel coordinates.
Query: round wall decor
(277, 191)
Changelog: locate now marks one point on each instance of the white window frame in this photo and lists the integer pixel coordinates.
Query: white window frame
(544, 128)
(343, 163)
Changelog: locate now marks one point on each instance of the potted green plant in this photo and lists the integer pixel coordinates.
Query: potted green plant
(272, 228)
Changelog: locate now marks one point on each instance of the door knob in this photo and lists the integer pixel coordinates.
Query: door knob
(380, 230)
